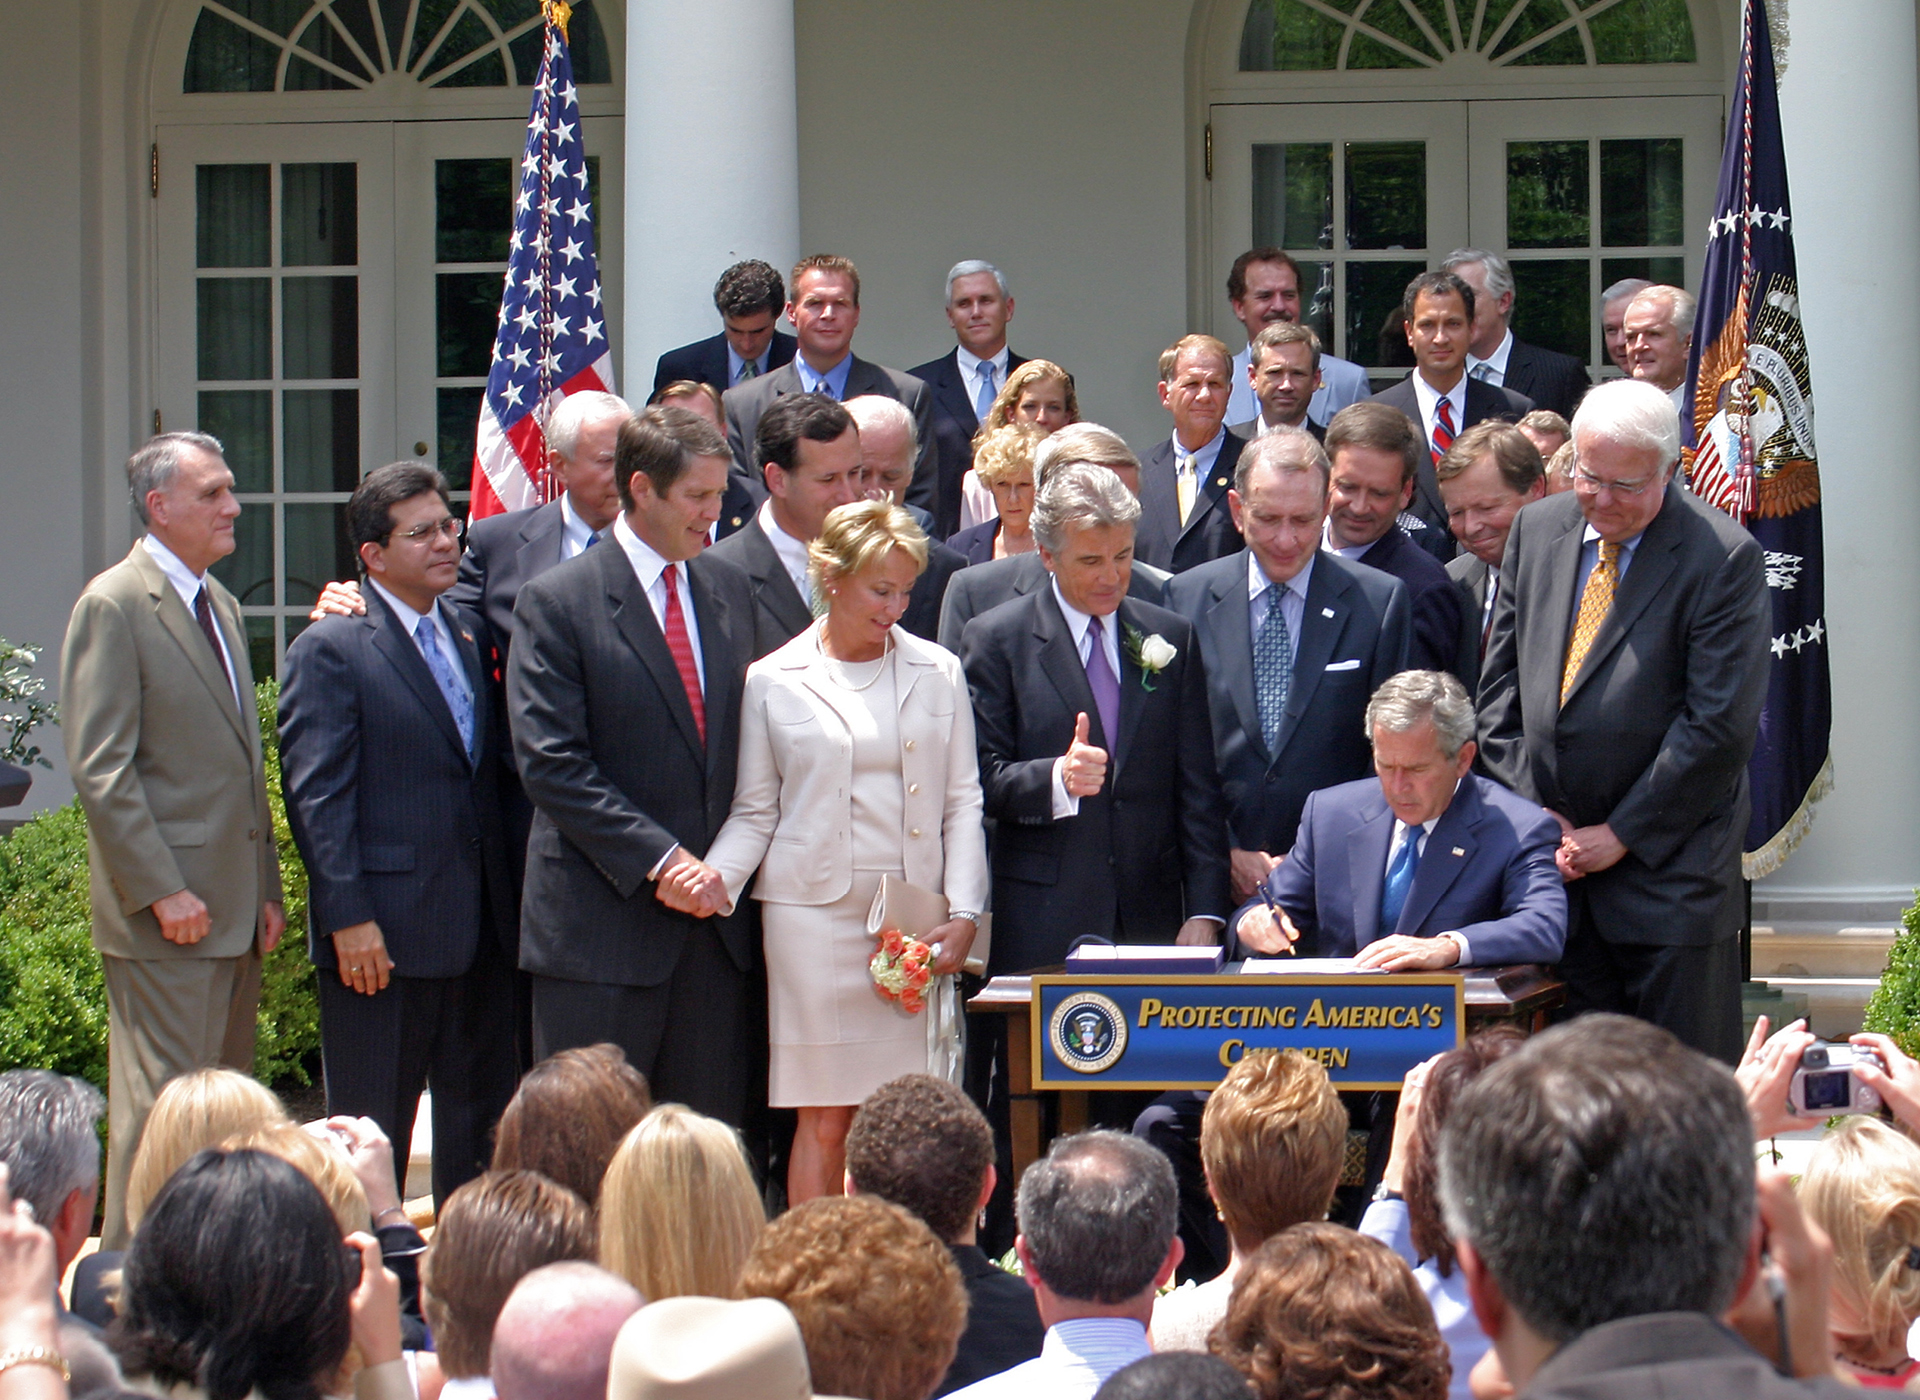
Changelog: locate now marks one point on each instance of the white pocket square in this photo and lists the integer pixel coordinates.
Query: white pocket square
(1352, 665)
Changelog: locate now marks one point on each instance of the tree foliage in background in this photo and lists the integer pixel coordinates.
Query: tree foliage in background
(1894, 1009)
(53, 1004)
(22, 713)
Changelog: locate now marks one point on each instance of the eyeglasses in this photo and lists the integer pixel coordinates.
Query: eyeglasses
(1583, 480)
(451, 528)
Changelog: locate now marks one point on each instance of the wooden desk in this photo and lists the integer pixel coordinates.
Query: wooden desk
(1520, 995)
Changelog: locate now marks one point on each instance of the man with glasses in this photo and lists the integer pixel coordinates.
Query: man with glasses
(1625, 667)
(389, 753)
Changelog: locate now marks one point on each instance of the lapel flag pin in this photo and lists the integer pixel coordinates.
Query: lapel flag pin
(1326, 612)
(1458, 851)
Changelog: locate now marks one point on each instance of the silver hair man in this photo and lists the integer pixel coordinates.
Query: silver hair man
(1499, 275)
(1632, 413)
(1082, 442)
(578, 410)
(1282, 450)
(50, 1142)
(157, 462)
(1080, 495)
(972, 267)
(877, 411)
(1412, 698)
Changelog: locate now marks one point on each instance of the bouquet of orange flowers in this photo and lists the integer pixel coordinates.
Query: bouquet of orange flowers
(901, 969)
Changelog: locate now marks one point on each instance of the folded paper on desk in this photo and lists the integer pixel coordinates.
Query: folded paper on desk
(1144, 960)
(917, 912)
(1324, 967)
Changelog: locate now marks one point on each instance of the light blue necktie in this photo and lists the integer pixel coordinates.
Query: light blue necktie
(1399, 881)
(592, 540)
(452, 686)
(1272, 667)
(983, 405)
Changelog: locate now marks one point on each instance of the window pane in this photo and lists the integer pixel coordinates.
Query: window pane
(1386, 194)
(1368, 52)
(223, 57)
(1393, 21)
(472, 209)
(1534, 17)
(1640, 193)
(469, 314)
(323, 327)
(1316, 301)
(318, 551)
(1553, 304)
(469, 34)
(248, 571)
(489, 70)
(1643, 31)
(1375, 333)
(1282, 36)
(231, 218)
(587, 46)
(353, 14)
(322, 431)
(1547, 194)
(509, 13)
(459, 421)
(1563, 48)
(323, 39)
(235, 327)
(243, 421)
(319, 216)
(1671, 272)
(304, 75)
(527, 51)
(1293, 195)
(260, 647)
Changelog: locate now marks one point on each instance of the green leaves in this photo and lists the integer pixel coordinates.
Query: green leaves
(1894, 1009)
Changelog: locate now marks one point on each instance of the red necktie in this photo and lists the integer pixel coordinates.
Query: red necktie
(1443, 431)
(682, 648)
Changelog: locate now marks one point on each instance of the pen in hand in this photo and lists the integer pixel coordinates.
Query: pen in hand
(1266, 897)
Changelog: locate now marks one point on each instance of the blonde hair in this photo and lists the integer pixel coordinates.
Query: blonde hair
(326, 1167)
(678, 1209)
(1006, 452)
(1273, 1139)
(1862, 1186)
(1019, 379)
(1560, 468)
(858, 533)
(194, 1112)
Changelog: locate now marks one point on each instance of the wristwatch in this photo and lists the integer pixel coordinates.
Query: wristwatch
(1384, 1192)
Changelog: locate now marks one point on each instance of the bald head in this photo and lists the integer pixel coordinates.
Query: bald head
(889, 441)
(555, 1335)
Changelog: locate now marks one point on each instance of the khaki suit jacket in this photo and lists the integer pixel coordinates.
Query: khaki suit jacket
(167, 766)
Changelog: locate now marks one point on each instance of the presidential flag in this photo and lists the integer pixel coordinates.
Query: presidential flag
(1750, 446)
(553, 331)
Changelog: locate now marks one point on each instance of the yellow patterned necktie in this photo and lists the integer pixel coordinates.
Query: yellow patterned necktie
(1595, 599)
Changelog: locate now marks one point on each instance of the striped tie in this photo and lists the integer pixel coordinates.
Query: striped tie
(1595, 599)
(1443, 430)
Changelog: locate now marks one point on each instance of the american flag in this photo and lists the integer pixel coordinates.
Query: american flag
(553, 337)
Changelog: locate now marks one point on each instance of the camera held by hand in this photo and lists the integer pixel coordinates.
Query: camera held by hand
(1825, 1084)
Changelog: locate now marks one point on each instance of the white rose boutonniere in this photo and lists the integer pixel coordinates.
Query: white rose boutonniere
(1152, 653)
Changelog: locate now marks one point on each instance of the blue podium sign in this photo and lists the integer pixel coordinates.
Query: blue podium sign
(1368, 1029)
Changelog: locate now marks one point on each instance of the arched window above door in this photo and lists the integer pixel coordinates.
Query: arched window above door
(1349, 35)
(344, 45)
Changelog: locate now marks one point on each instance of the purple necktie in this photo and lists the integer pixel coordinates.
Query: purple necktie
(1104, 684)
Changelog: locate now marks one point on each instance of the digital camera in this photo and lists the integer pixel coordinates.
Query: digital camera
(1825, 1084)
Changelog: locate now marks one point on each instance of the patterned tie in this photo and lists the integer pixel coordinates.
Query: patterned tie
(1595, 599)
(1272, 667)
(1183, 483)
(1483, 371)
(203, 613)
(748, 369)
(983, 405)
(823, 388)
(1443, 430)
(1104, 684)
(1393, 898)
(681, 645)
(453, 687)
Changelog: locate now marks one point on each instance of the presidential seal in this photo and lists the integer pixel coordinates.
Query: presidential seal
(1088, 1032)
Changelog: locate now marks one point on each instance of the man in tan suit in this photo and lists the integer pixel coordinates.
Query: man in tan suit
(165, 754)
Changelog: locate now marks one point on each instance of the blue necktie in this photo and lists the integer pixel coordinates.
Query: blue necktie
(1399, 881)
(453, 687)
(1272, 667)
(983, 405)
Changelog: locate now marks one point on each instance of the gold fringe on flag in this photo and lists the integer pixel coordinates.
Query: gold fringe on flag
(1755, 865)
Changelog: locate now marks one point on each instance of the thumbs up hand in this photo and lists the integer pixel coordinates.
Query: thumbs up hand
(1084, 770)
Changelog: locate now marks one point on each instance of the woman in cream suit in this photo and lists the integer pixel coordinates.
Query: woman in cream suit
(857, 760)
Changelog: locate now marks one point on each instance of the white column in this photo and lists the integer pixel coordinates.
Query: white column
(713, 162)
(1850, 113)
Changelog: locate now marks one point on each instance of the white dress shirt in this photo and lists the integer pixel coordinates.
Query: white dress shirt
(970, 364)
(188, 585)
(1678, 393)
(791, 552)
(574, 532)
(1080, 624)
(1293, 601)
(1333, 546)
(1400, 830)
(1074, 1361)
(1496, 363)
(1202, 459)
(1429, 398)
(650, 568)
(411, 620)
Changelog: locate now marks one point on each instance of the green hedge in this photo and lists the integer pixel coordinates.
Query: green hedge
(1894, 1009)
(53, 1006)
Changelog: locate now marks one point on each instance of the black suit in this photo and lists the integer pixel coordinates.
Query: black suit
(976, 542)
(705, 361)
(1551, 379)
(615, 766)
(1003, 1321)
(1353, 636)
(1145, 853)
(1653, 740)
(745, 404)
(780, 613)
(922, 617)
(399, 824)
(1161, 540)
(981, 587)
(1484, 401)
(954, 424)
(1470, 576)
(1432, 598)
(1251, 429)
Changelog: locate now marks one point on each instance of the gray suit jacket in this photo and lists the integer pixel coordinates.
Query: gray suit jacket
(745, 404)
(1470, 576)
(167, 765)
(779, 612)
(1654, 737)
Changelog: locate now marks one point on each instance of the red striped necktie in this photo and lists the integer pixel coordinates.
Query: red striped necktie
(682, 648)
(1443, 429)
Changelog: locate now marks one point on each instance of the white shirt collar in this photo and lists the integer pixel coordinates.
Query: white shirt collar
(1498, 359)
(1429, 397)
(970, 363)
(574, 532)
(1345, 551)
(185, 582)
(648, 563)
(1627, 547)
(1203, 455)
(408, 617)
(791, 552)
(1258, 582)
(1400, 828)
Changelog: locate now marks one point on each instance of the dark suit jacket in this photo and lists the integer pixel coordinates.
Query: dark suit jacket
(1655, 735)
(1146, 852)
(1209, 533)
(1484, 401)
(1352, 637)
(976, 541)
(745, 404)
(954, 424)
(980, 587)
(706, 361)
(611, 758)
(779, 612)
(1487, 873)
(1659, 1355)
(1003, 1321)
(1432, 596)
(1551, 379)
(395, 823)
(1251, 429)
(1469, 575)
(922, 617)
